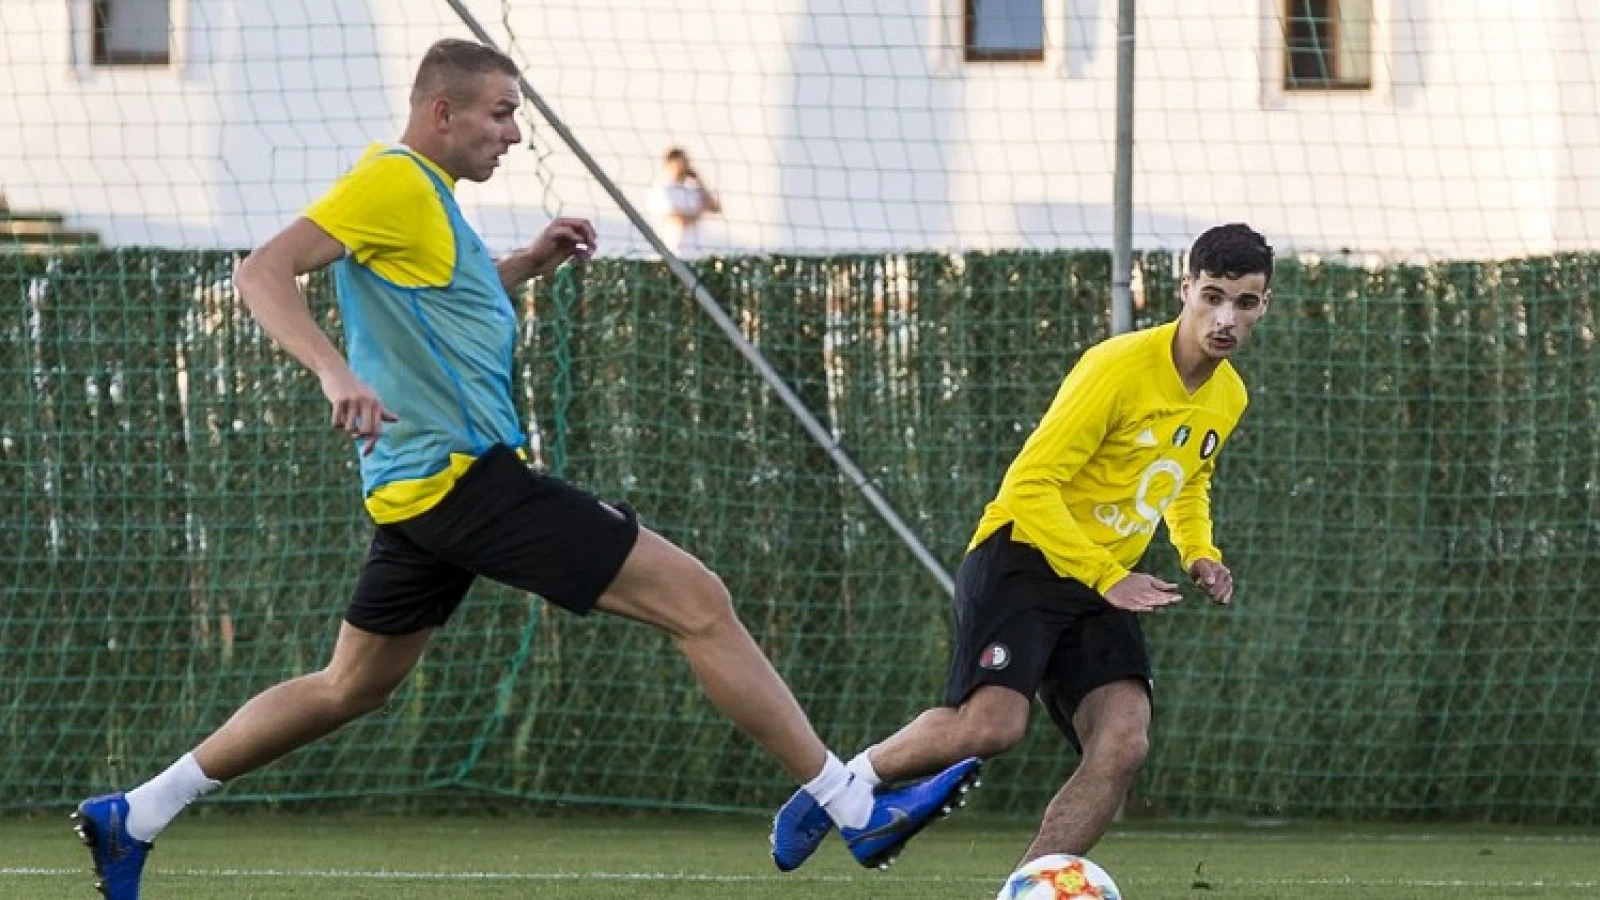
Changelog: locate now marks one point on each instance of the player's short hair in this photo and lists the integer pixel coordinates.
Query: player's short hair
(453, 66)
(1231, 251)
(675, 153)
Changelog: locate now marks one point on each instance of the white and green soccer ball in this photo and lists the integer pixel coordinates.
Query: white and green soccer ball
(1059, 877)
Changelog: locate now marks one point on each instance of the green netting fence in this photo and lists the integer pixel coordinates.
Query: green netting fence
(1410, 508)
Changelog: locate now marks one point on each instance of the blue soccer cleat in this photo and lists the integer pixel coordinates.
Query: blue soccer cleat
(798, 830)
(900, 812)
(118, 858)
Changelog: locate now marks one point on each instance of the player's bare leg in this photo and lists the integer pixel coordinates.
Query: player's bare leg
(1113, 723)
(364, 671)
(663, 586)
(991, 721)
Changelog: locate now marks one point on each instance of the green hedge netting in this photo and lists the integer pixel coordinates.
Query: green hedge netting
(1409, 507)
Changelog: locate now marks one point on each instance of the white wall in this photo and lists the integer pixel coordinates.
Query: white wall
(834, 125)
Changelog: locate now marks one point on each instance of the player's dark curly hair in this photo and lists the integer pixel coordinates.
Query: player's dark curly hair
(1231, 251)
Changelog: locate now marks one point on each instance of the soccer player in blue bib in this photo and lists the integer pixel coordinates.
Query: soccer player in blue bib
(426, 398)
(1045, 601)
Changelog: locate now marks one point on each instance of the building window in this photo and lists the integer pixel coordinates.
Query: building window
(1328, 45)
(1002, 30)
(132, 32)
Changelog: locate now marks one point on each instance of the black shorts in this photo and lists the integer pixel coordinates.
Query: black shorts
(1022, 626)
(502, 521)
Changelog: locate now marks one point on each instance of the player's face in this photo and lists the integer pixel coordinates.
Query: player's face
(484, 128)
(1218, 313)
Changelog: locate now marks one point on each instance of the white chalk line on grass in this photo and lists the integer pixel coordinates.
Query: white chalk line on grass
(1289, 834)
(383, 875)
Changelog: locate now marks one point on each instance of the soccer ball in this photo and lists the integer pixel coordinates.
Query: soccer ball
(1059, 877)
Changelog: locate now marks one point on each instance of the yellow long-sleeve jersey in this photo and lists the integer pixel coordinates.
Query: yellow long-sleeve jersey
(1123, 444)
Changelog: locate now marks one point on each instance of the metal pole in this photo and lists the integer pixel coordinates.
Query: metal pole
(1122, 191)
(729, 328)
(1122, 199)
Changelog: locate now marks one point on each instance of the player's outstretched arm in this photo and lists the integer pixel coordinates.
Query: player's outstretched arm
(563, 239)
(266, 282)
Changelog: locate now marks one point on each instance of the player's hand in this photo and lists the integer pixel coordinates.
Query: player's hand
(1213, 578)
(1140, 593)
(356, 407)
(563, 239)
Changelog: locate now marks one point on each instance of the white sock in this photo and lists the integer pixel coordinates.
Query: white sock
(861, 767)
(158, 801)
(847, 800)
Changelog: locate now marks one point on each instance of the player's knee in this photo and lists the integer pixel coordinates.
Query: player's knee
(354, 697)
(706, 606)
(367, 698)
(989, 733)
(1120, 750)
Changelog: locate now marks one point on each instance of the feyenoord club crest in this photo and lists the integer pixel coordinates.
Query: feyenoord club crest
(995, 656)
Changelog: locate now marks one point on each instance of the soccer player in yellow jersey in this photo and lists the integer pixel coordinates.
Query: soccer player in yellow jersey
(426, 398)
(1046, 602)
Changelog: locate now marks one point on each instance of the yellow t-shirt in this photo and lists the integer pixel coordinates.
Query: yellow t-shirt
(386, 212)
(1123, 444)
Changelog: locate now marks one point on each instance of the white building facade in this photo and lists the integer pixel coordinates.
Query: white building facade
(1467, 128)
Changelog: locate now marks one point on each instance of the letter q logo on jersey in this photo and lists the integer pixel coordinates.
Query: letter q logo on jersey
(1158, 487)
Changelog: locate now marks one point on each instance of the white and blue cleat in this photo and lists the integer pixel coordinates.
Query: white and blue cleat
(899, 813)
(798, 830)
(118, 858)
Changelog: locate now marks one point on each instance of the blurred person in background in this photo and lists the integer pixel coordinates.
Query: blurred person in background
(678, 201)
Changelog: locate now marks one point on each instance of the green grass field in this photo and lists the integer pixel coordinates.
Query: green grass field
(723, 858)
